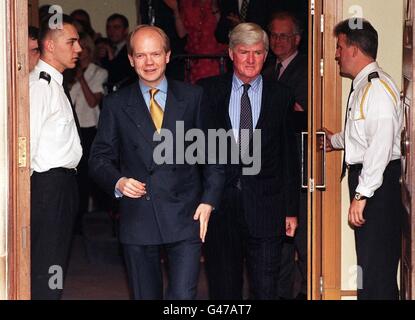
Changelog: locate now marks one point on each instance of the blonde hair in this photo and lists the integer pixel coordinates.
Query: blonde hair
(166, 40)
(247, 34)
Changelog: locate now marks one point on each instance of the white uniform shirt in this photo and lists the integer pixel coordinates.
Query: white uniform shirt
(373, 128)
(95, 77)
(54, 140)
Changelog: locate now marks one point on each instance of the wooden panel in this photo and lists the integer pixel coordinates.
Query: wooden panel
(33, 13)
(18, 119)
(331, 118)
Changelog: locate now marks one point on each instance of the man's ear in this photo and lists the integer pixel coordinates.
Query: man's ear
(297, 40)
(168, 53)
(230, 53)
(49, 45)
(131, 60)
(355, 51)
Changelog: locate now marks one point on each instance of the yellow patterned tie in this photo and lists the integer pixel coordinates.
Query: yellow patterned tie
(156, 111)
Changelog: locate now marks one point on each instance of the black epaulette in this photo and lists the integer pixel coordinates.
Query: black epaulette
(373, 75)
(45, 76)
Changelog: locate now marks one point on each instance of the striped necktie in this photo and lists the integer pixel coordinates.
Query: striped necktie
(156, 111)
(245, 122)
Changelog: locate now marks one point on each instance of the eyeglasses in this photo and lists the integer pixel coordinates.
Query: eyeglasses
(281, 36)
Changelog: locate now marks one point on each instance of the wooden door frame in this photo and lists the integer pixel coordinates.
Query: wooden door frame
(18, 145)
(324, 226)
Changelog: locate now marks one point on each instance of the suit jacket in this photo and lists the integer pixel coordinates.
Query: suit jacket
(294, 76)
(124, 147)
(273, 193)
(258, 12)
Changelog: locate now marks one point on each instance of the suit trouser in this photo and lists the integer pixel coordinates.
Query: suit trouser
(54, 204)
(378, 241)
(228, 245)
(145, 273)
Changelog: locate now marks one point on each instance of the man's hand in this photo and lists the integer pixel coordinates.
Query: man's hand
(291, 224)
(356, 213)
(329, 134)
(131, 188)
(202, 214)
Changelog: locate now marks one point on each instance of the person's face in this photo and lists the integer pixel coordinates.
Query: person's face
(345, 56)
(34, 53)
(283, 41)
(149, 57)
(248, 60)
(64, 47)
(116, 31)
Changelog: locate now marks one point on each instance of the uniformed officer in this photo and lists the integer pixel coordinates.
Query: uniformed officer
(55, 152)
(371, 140)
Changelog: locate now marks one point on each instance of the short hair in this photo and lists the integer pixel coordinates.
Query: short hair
(248, 33)
(163, 35)
(33, 33)
(284, 15)
(45, 28)
(359, 33)
(122, 18)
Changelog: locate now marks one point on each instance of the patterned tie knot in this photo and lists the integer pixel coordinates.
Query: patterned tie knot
(153, 92)
(246, 87)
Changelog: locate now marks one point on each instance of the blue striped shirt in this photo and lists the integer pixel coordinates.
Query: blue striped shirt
(161, 96)
(255, 96)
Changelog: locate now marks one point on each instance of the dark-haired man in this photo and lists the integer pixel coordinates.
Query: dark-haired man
(34, 51)
(115, 58)
(55, 150)
(371, 143)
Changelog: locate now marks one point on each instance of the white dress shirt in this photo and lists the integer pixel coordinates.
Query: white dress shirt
(373, 128)
(95, 77)
(54, 140)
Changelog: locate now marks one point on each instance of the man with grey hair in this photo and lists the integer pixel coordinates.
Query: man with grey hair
(255, 210)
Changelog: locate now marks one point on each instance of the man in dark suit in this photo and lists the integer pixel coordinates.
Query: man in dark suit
(256, 210)
(115, 57)
(160, 202)
(291, 68)
(234, 12)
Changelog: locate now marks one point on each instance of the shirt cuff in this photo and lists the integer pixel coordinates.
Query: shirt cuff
(364, 191)
(336, 141)
(117, 192)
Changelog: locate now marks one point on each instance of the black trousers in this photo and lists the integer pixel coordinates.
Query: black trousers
(145, 274)
(228, 245)
(378, 241)
(54, 203)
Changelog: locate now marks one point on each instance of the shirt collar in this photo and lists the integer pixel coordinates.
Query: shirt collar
(364, 73)
(255, 84)
(55, 74)
(288, 60)
(162, 86)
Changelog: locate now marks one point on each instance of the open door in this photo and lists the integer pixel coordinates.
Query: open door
(323, 183)
(18, 260)
(408, 155)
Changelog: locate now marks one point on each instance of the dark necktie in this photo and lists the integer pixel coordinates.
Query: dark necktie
(244, 9)
(245, 121)
(278, 70)
(75, 116)
(344, 165)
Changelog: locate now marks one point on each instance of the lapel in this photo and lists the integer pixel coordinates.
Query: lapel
(225, 97)
(288, 71)
(137, 111)
(175, 107)
(264, 103)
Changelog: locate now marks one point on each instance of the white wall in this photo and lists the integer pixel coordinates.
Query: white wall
(99, 10)
(3, 155)
(387, 18)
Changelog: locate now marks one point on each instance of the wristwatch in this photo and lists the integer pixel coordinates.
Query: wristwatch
(359, 196)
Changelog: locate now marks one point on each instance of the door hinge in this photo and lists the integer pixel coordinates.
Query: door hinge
(22, 154)
(311, 182)
(322, 23)
(321, 284)
(312, 7)
(321, 67)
